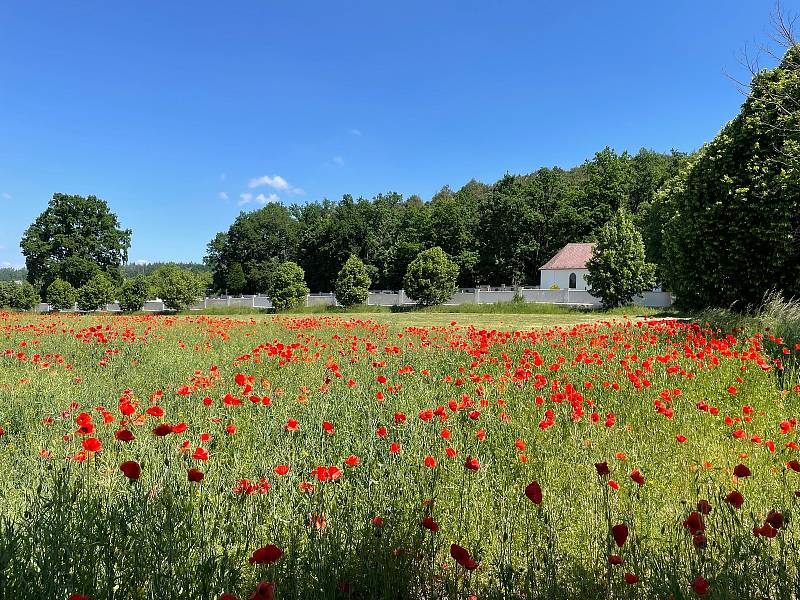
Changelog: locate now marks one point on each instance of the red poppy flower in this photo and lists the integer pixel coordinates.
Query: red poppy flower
(281, 469)
(399, 418)
(704, 507)
(533, 491)
(472, 464)
(681, 438)
(195, 475)
(450, 452)
(637, 477)
(78, 597)
(226, 596)
(775, 519)
(131, 469)
(266, 555)
(793, 465)
(328, 427)
(694, 523)
(615, 559)
(700, 585)
(380, 432)
(291, 425)
(352, 461)
(163, 429)
(155, 411)
(264, 591)
(123, 435)
(620, 534)
(430, 524)
(200, 454)
(741, 471)
(92, 444)
(377, 521)
(394, 448)
(602, 469)
(630, 578)
(613, 485)
(735, 499)
(430, 462)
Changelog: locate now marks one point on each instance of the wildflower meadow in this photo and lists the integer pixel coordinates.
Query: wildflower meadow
(209, 457)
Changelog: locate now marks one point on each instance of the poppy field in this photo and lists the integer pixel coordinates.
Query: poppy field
(210, 457)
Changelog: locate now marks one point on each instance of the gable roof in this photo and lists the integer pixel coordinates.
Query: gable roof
(571, 256)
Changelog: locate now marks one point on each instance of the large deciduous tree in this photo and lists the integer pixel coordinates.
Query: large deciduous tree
(74, 239)
(734, 212)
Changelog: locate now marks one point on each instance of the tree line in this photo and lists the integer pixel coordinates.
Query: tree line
(498, 233)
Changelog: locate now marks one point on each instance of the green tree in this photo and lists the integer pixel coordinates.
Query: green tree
(134, 293)
(95, 293)
(287, 286)
(431, 277)
(73, 239)
(235, 281)
(259, 274)
(18, 296)
(352, 284)
(7, 291)
(618, 270)
(733, 231)
(25, 296)
(60, 295)
(178, 288)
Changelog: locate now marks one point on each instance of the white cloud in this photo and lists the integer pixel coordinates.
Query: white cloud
(338, 161)
(245, 199)
(356, 132)
(7, 196)
(262, 199)
(141, 261)
(223, 195)
(276, 182)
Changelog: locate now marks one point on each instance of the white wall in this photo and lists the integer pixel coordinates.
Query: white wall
(561, 278)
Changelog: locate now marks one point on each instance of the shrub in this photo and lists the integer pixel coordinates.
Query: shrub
(24, 297)
(287, 286)
(431, 277)
(352, 284)
(6, 294)
(60, 295)
(618, 270)
(95, 293)
(134, 293)
(178, 288)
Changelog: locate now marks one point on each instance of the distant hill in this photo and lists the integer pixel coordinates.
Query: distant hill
(130, 270)
(9, 274)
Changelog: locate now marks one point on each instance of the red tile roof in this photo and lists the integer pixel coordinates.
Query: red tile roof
(571, 256)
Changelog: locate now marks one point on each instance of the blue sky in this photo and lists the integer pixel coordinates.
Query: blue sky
(173, 112)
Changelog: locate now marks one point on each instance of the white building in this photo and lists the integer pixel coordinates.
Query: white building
(567, 269)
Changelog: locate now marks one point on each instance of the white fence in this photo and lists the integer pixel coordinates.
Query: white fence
(579, 298)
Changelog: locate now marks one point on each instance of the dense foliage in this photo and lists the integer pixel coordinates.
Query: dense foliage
(61, 295)
(499, 233)
(74, 239)
(19, 296)
(134, 293)
(618, 270)
(95, 293)
(353, 283)
(287, 286)
(178, 288)
(431, 277)
(734, 211)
